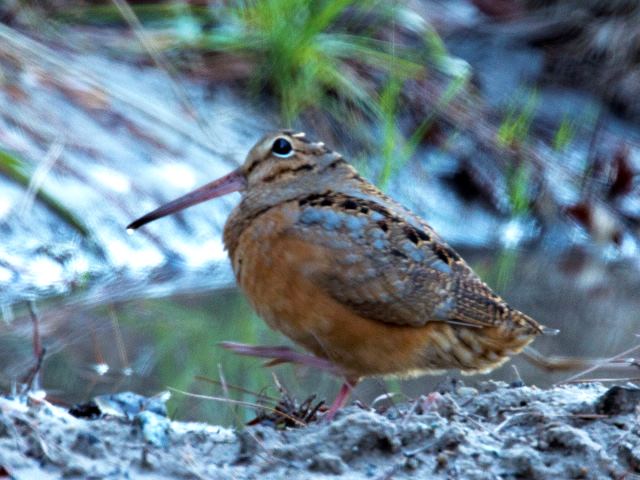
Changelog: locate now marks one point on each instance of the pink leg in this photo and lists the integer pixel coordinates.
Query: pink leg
(341, 400)
(281, 354)
(284, 354)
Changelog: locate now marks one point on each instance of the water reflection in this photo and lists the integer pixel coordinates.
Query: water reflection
(150, 344)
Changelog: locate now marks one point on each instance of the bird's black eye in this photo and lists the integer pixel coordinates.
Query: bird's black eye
(282, 148)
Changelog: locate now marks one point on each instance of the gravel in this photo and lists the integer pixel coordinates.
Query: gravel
(490, 431)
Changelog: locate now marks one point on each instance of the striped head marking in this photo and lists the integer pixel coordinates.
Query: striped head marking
(284, 156)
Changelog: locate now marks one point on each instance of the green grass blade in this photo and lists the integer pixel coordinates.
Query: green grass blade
(13, 169)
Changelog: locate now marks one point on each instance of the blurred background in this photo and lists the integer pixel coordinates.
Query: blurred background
(511, 126)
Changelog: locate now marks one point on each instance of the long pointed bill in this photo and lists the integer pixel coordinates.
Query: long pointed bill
(232, 182)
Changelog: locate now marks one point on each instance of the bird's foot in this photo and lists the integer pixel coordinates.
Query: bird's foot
(285, 354)
(281, 354)
(341, 399)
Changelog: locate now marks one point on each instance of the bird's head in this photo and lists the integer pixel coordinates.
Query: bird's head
(280, 166)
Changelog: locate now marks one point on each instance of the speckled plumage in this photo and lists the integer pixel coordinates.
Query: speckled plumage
(346, 272)
(343, 270)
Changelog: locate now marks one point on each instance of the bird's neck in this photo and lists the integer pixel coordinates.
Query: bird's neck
(260, 199)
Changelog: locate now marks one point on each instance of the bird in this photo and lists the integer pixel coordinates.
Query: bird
(349, 274)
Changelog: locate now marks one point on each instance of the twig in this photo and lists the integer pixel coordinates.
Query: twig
(39, 176)
(38, 351)
(239, 402)
(236, 388)
(223, 381)
(600, 364)
(122, 351)
(225, 388)
(517, 372)
(410, 413)
(604, 379)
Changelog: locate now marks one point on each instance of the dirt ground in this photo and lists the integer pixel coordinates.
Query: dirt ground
(491, 431)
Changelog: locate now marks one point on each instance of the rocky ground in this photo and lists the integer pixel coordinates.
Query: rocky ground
(106, 130)
(491, 431)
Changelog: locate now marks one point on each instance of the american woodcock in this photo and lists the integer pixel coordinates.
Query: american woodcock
(346, 272)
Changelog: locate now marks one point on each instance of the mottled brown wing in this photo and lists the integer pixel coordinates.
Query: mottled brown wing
(388, 270)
